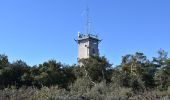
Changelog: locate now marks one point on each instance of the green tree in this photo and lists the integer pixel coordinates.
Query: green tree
(4, 63)
(139, 69)
(134, 64)
(11, 74)
(96, 68)
(160, 63)
(50, 73)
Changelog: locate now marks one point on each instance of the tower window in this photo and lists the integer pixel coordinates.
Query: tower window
(94, 51)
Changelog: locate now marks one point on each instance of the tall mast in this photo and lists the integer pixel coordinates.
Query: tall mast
(87, 21)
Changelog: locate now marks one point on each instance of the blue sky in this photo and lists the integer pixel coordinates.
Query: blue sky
(38, 30)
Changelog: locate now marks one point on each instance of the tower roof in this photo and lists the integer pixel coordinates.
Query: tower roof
(87, 36)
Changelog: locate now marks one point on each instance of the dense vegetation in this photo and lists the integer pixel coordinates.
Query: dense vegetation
(136, 78)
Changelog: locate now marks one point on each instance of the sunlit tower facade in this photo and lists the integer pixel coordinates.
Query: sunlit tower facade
(87, 45)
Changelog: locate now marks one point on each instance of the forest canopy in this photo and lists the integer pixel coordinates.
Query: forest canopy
(136, 76)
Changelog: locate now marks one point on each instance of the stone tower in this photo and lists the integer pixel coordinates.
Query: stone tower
(87, 45)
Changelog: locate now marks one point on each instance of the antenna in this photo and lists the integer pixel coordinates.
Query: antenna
(87, 21)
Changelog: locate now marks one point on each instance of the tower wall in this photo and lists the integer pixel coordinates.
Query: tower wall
(87, 46)
(83, 49)
(93, 50)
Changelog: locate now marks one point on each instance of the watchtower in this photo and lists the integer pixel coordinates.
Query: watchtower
(87, 43)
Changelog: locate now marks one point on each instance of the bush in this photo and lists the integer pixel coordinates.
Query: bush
(52, 93)
(81, 85)
(16, 94)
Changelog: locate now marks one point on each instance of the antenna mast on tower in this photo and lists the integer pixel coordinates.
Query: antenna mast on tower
(87, 21)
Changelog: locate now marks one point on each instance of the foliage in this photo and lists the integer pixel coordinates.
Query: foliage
(136, 78)
(96, 68)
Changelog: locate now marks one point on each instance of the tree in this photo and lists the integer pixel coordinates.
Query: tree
(134, 64)
(50, 73)
(96, 68)
(3, 64)
(161, 59)
(11, 74)
(161, 65)
(139, 69)
(68, 76)
(3, 61)
(162, 77)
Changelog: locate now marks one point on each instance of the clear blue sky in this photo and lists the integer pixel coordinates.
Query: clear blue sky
(38, 30)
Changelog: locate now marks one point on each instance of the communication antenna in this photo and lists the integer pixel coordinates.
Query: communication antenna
(87, 21)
